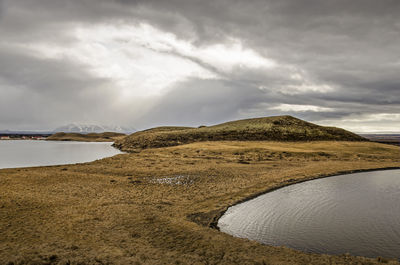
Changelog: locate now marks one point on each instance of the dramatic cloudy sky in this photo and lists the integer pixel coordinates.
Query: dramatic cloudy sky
(189, 62)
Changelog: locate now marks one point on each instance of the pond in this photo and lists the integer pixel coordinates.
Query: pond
(28, 153)
(355, 213)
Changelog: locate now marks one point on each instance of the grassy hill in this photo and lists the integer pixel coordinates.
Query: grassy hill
(90, 137)
(278, 128)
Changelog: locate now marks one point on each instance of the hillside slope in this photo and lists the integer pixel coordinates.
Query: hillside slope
(279, 128)
(90, 137)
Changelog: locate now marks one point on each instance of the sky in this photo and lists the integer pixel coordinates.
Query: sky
(147, 63)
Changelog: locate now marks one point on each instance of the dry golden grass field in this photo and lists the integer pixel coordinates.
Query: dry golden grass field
(157, 206)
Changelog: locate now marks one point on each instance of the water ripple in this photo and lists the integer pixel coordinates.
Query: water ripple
(355, 213)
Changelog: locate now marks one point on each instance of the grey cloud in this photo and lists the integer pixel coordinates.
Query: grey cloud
(45, 91)
(1, 8)
(358, 40)
(350, 45)
(198, 101)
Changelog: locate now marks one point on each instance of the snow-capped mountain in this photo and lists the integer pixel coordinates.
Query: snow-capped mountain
(90, 128)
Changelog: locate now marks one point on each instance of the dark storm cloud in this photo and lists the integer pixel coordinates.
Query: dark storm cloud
(350, 46)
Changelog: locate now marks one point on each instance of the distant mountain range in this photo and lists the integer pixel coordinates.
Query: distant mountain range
(75, 128)
(90, 128)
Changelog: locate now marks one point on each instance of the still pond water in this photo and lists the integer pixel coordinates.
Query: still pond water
(356, 213)
(26, 153)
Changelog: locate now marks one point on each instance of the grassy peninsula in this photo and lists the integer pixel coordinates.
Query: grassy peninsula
(159, 205)
(89, 137)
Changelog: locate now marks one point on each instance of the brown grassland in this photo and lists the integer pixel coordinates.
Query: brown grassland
(157, 206)
(90, 137)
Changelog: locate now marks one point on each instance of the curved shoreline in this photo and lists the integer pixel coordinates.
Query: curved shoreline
(214, 221)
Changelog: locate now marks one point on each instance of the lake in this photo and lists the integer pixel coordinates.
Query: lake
(355, 213)
(28, 153)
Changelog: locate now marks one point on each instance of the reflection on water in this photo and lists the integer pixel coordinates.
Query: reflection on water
(25, 153)
(356, 213)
